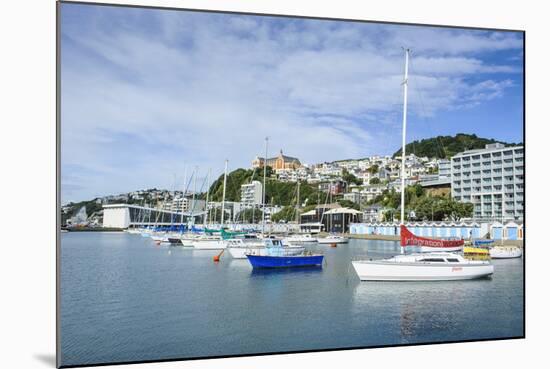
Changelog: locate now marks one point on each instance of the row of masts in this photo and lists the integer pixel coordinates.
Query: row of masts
(403, 155)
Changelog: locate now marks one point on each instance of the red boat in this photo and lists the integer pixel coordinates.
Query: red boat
(408, 239)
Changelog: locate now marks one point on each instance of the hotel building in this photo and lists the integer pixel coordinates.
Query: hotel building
(492, 180)
(251, 194)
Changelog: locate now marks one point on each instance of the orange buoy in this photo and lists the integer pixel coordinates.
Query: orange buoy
(333, 245)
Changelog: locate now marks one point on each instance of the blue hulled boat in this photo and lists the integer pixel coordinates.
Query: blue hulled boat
(276, 256)
(266, 261)
(483, 242)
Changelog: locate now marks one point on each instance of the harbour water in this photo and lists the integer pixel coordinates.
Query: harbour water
(125, 299)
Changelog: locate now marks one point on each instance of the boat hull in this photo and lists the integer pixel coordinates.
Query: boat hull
(332, 240)
(260, 261)
(505, 253)
(381, 271)
(208, 245)
(435, 249)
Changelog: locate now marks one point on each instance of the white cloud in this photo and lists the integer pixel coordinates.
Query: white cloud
(207, 87)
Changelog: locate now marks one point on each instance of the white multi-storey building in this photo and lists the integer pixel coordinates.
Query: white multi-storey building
(251, 194)
(492, 179)
(183, 204)
(444, 168)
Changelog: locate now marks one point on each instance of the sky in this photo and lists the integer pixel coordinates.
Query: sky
(149, 95)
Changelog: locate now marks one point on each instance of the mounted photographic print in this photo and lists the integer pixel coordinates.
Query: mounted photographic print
(240, 184)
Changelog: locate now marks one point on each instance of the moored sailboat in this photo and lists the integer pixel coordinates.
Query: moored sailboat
(435, 266)
(430, 266)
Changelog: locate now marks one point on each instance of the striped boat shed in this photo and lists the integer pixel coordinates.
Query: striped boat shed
(459, 229)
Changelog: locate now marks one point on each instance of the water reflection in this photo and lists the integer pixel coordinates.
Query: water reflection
(124, 298)
(263, 272)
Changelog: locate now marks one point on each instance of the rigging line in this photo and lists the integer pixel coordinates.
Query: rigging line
(422, 106)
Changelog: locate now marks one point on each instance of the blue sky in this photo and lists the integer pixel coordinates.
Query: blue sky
(148, 93)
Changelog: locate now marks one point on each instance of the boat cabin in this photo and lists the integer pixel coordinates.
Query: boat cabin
(273, 242)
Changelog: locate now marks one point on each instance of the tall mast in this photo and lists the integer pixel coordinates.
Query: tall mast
(184, 180)
(207, 196)
(298, 202)
(403, 154)
(263, 191)
(223, 194)
(194, 192)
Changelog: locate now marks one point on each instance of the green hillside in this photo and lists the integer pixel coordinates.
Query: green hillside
(447, 146)
(281, 193)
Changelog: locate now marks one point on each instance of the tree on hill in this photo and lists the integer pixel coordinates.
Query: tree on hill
(349, 204)
(350, 178)
(439, 208)
(425, 207)
(446, 146)
(233, 185)
(288, 214)
(281, 193)
(373, 169)
(374, 181)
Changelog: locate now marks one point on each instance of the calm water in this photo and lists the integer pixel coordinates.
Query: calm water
(125, 299)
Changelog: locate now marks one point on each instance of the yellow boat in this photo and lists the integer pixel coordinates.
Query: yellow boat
(475, 250)
(478, 253)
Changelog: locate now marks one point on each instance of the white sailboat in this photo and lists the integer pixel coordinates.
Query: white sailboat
(431, 266)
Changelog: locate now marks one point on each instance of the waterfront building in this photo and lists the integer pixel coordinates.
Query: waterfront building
(279, 162)
(329, 218)
(251, 194)
(130, 215)
(492, 179)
